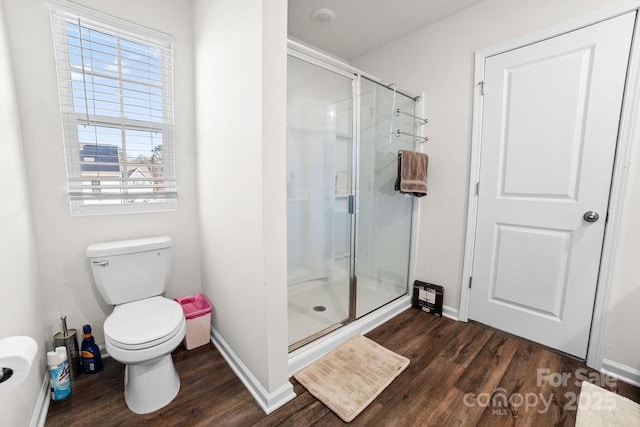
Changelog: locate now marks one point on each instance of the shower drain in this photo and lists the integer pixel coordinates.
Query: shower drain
(319, 308)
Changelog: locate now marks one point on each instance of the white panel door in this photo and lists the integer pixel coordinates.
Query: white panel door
(549, 131)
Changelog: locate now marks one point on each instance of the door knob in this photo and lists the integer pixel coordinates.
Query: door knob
(591, 216)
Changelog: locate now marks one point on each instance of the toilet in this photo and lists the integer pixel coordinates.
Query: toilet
(144, 327)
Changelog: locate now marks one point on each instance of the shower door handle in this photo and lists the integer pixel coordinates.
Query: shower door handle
(351, 204)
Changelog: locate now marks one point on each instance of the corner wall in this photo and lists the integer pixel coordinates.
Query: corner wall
(68, 286)
(439, 61)
(240, 98)
(274, 181)
(20, 301)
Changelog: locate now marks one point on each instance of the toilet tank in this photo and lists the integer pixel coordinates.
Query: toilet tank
(130, 270)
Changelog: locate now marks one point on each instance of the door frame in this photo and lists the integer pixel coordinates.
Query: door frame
(628, 131)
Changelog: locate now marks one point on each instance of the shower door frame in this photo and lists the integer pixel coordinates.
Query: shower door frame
(332, 64)
(355, 147)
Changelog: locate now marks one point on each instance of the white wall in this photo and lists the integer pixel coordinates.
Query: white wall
(623, 345)
(240, 68)
(62, 239)
(20, 301)
(439, 61)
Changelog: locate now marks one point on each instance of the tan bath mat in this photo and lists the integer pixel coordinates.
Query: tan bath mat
(348, 378)
(598, 407)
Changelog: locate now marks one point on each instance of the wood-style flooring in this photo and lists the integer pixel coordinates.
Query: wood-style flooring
(460, 374)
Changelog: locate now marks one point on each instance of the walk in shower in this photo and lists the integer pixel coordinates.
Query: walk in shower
(349, 231)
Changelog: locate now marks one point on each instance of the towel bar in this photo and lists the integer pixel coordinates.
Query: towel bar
(419, 119)
(398, 132)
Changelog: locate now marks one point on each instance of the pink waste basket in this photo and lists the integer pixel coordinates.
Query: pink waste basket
(197, 312)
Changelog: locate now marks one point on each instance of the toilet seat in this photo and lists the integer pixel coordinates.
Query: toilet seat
(144, 323)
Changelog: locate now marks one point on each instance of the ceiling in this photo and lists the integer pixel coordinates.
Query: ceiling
(361, 26)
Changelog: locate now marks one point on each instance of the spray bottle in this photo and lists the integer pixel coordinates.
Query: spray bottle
(59, 375)
(91, 359)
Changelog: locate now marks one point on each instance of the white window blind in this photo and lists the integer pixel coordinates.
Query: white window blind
(116, 96)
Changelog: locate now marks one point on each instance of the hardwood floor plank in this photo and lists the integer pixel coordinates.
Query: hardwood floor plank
(421, 351)
(626, 390)
(303, 403)
(435, 373)
(567, 393)
(406, 326)
(499, 412)
(479, 379)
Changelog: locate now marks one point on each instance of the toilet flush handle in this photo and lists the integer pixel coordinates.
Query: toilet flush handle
(100, 263)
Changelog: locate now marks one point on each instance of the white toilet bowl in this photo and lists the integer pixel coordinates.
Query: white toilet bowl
(142, 334)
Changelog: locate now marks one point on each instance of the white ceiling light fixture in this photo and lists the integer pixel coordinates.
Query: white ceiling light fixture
(323, 16)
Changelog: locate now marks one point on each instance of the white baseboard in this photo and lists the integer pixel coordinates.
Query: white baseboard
(450, 313)
(269, 402)
(42, 405)
(621, 372)
(308, 354)
(103, 351)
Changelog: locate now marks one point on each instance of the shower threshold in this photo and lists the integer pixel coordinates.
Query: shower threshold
(317, 335)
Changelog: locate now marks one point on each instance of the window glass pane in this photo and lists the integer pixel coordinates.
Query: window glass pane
(144, 155)
(100, 53)
(118, 77)
(100, 149)
(144, 146)
(100, 157)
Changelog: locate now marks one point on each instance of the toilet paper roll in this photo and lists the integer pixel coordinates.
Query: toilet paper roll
(16, 357)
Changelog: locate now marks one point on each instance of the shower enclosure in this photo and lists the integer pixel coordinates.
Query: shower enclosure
(349, 231)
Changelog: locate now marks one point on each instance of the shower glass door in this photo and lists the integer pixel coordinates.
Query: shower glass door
(384, 216)
(320, 147)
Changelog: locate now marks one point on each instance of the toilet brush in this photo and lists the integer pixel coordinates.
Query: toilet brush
(69, 339)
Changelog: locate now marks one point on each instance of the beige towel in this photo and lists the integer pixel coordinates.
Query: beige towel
(412, 173)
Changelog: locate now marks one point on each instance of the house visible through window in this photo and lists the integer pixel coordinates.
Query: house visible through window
(116, 95)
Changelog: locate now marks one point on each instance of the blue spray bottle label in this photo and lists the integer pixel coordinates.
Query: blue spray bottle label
(59, 374)
(60, 381)
(88, 362)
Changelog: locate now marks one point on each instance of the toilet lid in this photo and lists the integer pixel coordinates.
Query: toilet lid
(151, 320)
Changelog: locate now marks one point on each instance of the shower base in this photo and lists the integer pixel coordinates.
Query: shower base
(333, 295)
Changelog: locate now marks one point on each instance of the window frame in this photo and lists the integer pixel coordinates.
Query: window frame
(71, 119)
